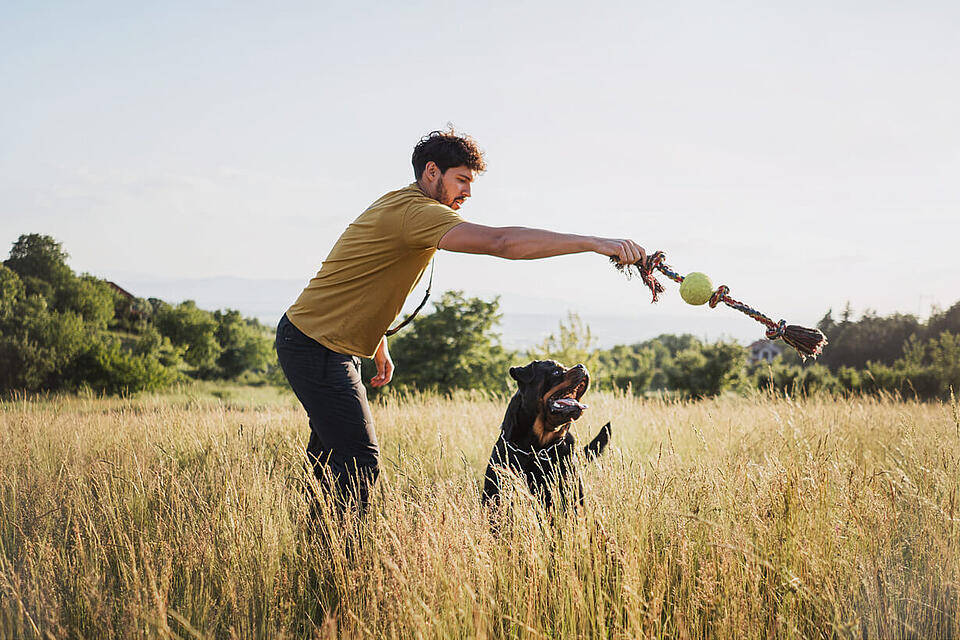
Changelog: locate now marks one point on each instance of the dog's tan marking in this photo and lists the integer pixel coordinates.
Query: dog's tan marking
(544, 435)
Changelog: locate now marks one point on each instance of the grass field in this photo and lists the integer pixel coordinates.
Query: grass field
(181, 516)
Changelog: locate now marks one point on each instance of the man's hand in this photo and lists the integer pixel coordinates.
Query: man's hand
(384, 365)
(625, 251)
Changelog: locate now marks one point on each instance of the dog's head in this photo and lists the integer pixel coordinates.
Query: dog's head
(546, 403)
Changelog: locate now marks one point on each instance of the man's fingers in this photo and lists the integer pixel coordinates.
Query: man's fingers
(631, 252)
(626, 252)
(377, 380)
(384, 373)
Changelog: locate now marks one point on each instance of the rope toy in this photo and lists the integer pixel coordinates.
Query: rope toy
(807, 342)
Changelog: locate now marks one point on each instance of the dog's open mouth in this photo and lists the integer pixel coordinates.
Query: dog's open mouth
(564, 405)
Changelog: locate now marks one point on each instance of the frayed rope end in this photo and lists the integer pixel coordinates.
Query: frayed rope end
(645, 271)
(807, 342)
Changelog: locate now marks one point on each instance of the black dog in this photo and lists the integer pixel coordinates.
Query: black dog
(535, 441)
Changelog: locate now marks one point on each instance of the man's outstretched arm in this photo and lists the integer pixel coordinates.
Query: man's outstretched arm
(523, 243)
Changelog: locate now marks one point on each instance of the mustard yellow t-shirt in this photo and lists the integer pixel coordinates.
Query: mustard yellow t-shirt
(362, 285)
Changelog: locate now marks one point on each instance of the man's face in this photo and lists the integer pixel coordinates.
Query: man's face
(451, 187)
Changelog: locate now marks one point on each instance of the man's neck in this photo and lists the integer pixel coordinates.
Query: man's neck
(426, 190)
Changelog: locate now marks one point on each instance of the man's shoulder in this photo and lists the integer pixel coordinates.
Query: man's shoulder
(404, 195)
(408, 200)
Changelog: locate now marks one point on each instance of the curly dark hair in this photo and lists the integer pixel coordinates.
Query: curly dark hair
(447, 149)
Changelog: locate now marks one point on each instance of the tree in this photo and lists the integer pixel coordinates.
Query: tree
(948, 320)
(11, 291)
(39, 259)
(674, 344)
(707, 370)
(574, 344)
(627, 366)
(827, 323)
(131, 314)
(89, 297)
(37, 344)
(931, 368)
(661, 351)
(151, 343)
(244, 347)
(872, 338)
(810, 378)
(453, 347)
(194, 330)
(60, 331)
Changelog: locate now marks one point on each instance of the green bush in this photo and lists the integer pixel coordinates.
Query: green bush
(626, 367)
(194, 330)
(707, 370)
(105, 367)
(244, 344)
(89, 297)
(37, 344)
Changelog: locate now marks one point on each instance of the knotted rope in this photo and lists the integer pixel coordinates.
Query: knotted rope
(807, 342)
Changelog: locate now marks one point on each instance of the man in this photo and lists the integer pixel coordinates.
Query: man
(344, 311)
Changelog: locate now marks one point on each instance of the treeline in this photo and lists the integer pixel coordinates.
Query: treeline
(456, 346)
(61, 331)
(896, 354)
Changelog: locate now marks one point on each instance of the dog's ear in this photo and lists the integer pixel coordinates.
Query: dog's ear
(523, 375)
(598, 444)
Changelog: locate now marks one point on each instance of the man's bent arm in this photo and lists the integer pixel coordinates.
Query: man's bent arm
(523, 243)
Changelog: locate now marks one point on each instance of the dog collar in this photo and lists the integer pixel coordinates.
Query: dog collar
(542, 454)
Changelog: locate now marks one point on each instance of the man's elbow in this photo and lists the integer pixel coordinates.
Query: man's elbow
(501, 247)
(495, 243)
(511, 244)
(500, 243)
(510, 249)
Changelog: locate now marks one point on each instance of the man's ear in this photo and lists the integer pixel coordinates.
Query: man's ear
(523, 375)
(431, 171)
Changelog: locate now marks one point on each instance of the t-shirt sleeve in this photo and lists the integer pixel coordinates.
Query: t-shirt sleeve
(424, 224)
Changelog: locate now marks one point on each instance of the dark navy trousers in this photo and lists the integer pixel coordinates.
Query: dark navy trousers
(342, 450)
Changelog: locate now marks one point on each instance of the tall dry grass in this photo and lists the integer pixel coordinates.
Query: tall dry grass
(182, 516)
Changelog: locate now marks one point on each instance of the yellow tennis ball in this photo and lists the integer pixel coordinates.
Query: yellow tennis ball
(696, 288)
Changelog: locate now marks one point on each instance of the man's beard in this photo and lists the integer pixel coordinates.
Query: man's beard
(440, 195)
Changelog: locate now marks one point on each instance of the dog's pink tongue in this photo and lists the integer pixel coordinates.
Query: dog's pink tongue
(564, 403)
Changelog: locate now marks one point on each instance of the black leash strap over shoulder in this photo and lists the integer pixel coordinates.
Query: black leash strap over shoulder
(413, 315)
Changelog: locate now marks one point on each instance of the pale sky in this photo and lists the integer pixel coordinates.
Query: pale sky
(805, 154)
